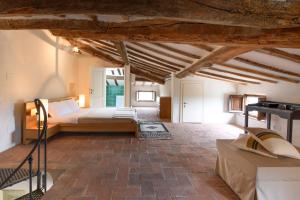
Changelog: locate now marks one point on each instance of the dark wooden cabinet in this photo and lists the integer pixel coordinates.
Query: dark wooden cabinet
(165, 108)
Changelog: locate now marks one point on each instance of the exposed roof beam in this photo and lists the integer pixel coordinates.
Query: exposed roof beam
(242, 75)
(108, 51)
(146, 75)
(267, 67)
(114, 77)
(92, 51)
(102, 45)
(269, 75)
(155, 57)
(204, 47)
(178, 51)
(281, 54)
(219, 55)
(220, 79)
(261, 13)
(123, 51)
(154, 71)
(156, 67)
(135, 55)
(183, 32)
(116, 82)
(227, 77)
(162, 53)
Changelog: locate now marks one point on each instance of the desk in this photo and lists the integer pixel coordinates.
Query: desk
(284, 110)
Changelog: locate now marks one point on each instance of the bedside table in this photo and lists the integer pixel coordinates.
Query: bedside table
(30, 133)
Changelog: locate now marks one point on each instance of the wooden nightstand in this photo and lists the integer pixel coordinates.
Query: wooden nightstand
(30, 133)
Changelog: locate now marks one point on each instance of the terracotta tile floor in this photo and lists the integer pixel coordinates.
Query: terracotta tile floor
(120, 167)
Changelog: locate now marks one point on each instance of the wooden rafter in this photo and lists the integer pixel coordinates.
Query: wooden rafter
(281, 54)
(267, 67)
(108, 51)
(133, 49)
(146, 74)
(218, 78)
(93, 52)
(123, 51)
(204, 47)
(156, 67)
(227, 77)
(261, 13)
(159, 75)
(219, 55)
(155, 50)
(242, 75)
(178, 51)
(141, 57)
(260, 73)
(98, 44)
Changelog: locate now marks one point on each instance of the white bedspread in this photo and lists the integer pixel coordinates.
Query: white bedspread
(95, 113)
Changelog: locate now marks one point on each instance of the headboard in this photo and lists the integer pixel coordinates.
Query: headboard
(30, 121)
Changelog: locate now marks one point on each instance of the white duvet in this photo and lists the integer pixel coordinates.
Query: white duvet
(95, 113)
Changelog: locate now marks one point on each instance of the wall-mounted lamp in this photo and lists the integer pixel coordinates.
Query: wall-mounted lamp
(81, 101)
(76, 50)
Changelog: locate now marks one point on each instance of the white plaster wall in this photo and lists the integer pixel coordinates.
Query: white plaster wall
(31, 66)
(85, 65)
(283, 92)
(136, 88)
(215, 99)
(165, 90)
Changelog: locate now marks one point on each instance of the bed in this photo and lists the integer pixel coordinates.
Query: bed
(83, 120)
(252, 176)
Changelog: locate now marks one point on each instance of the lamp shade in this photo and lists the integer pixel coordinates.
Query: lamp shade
(81, 101)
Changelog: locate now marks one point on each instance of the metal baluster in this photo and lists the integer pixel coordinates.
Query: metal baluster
(45, 158)
(39, 149)
(30, 177)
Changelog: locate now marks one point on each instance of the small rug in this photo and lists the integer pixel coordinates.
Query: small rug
(154, 130)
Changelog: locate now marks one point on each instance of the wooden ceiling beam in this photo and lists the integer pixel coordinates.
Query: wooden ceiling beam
(204, 47)
(182, 32)
(221, 54)
(141, 62)
(162, 53)
(108, 51)
(227, 77)
(267, 67)
(122, 51)
(135, 55)
(281, 54)
(160, 30)
(158, 72)
(220, 79)
(261, 13)
(93, 52)
(159, 75)
(243, 75)
(260, 73)
(178, 51)
(147, 75)
(155, 57)
(107, 44)
(103, 46)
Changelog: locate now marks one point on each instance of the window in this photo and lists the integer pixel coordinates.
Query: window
(145, 96)
(251, 99)
(237, 103)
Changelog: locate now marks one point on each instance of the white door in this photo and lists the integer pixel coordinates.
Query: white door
(97, 90)
(192, 102)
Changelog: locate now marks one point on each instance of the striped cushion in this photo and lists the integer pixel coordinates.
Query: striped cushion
(248, 143)
(274, 142)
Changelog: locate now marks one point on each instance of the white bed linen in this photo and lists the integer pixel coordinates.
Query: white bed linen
(95, 113)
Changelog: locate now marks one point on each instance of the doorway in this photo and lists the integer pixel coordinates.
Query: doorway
(97, 91)
(192, 102)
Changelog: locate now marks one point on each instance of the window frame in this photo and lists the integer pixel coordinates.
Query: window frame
(137, 94)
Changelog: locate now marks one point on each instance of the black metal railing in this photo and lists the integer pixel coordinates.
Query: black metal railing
(42, 134)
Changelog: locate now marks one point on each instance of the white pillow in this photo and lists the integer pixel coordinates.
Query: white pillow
(248, 143)
(72, 105)
(273, 142)
(59, 109)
